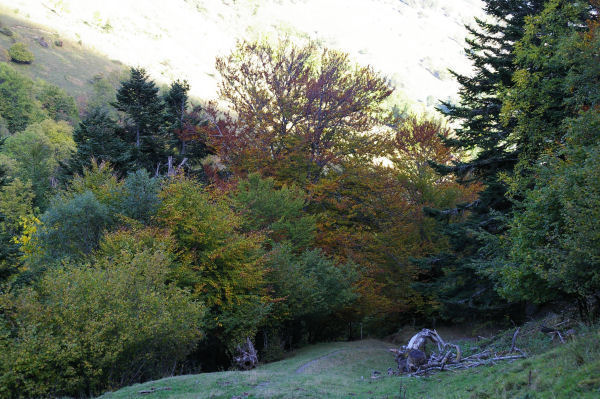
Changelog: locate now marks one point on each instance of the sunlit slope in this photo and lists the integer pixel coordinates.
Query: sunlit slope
(64, 63)
(412, 41)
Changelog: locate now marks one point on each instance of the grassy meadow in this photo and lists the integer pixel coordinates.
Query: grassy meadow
(343, 370)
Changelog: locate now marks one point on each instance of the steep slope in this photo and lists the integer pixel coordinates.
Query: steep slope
(62, 62)
(412, 41)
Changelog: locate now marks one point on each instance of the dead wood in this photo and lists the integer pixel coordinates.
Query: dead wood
(247, 358)
(412, 359)
(514, 340)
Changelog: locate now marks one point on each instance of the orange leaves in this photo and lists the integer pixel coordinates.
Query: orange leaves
(295, 110)
(223, 265)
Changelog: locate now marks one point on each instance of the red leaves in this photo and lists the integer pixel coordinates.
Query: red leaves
(298, 110)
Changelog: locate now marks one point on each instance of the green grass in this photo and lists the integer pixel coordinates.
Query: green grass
(343, 370)
(70, 66)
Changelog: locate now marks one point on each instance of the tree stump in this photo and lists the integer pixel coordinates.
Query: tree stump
(247, 357)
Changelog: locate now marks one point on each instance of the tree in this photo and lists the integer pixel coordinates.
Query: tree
(140, 196)
(536, 101)
(188, 127)
(35, 154)
(299, 111)
(311, 289)
(484, 134)
(176, 105)
(83, 329)
(278, 212)
(219, 264)
(138, 99)
(18, 106)
(16, 203)
(72, 229)
(99, 137)
(551, 249)
(57, 103)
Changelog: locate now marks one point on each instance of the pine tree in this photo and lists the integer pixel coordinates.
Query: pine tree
(101, 138)
(484, 134)
(176, 105)
(138, 99)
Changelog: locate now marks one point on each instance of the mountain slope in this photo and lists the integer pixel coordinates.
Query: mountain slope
(412, 41)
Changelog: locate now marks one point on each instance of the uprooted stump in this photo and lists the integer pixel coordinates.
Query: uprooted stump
(247, 357)
(413, 360)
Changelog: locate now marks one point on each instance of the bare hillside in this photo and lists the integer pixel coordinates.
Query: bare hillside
(411, 41)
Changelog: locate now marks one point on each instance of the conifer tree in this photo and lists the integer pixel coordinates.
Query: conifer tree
(138, 99)
(101, 138)
(186, 127)
(484, 134)
(176, 104)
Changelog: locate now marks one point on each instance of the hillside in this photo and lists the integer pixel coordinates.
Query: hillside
(413, 42)
(343, 370)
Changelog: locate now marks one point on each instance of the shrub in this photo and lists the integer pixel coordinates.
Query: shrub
(85, 329)
(20, 54)
(140, 201)
(73, 228)
(6, 32)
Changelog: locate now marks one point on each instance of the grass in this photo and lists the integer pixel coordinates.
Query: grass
(69, 66)
(343, 370)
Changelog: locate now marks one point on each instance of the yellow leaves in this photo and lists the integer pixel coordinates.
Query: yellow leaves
(29, 226)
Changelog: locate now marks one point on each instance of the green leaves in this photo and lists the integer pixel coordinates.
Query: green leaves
(278, 212)
(87, 328)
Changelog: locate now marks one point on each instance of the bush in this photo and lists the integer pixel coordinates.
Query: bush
(20, 54)
(72, 229)
(85, 329)
(6, 32)
(311, 288)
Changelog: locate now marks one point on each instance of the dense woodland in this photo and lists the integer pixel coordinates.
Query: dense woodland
(143, 235)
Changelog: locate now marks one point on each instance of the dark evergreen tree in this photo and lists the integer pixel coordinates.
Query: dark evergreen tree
(176, 105)
(552, 242)
(187, 128)
(101, 138)
(483, 133)
(138, 99)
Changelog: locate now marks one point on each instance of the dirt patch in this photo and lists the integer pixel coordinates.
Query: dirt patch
(303, 368)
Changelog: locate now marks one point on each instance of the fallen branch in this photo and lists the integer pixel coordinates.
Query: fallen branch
(412, 360)
(514, 340)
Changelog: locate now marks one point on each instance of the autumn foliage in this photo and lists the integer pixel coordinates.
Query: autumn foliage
(296, 110)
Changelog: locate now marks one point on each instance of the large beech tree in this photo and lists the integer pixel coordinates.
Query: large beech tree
(296, 110)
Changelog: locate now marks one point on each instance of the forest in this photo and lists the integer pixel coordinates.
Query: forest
(146, 234)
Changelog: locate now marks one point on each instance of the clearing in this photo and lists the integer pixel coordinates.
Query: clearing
(343, 370)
